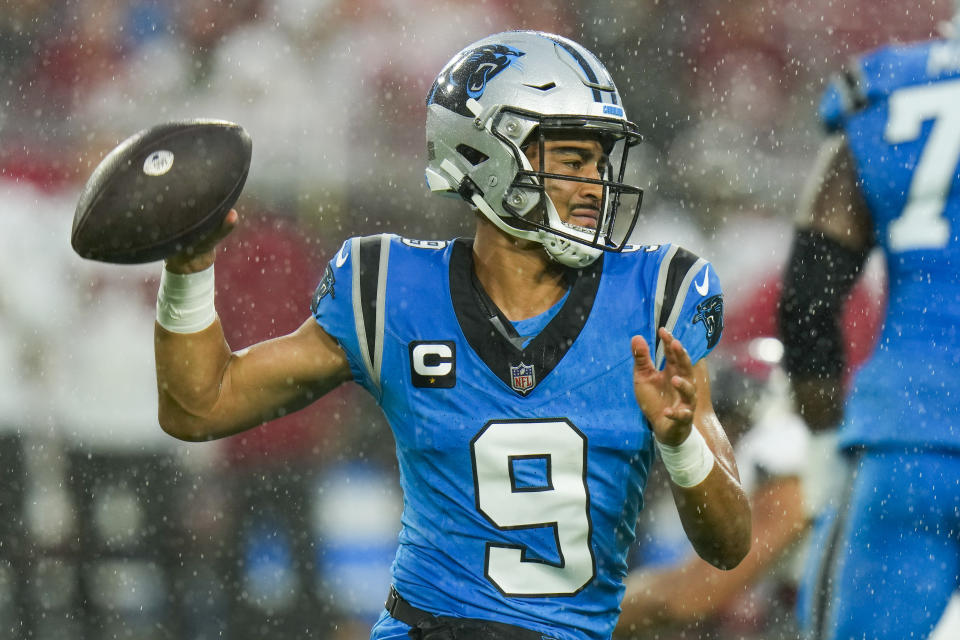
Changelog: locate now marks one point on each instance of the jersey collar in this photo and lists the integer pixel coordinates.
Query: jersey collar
(488, 331)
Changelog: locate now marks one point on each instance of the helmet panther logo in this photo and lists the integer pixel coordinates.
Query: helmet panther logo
(469, 75)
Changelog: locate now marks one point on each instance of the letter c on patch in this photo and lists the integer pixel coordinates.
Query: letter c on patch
(433, 364)
(444, 362)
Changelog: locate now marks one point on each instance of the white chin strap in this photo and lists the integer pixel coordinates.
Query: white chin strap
(566, 252)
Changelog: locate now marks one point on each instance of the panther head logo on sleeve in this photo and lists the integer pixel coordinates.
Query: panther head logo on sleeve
(710, 311)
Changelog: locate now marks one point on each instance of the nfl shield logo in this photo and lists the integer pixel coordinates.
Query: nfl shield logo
(522, 378)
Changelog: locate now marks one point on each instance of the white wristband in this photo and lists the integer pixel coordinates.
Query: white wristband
(185, 301)
(688, 463)
(824, 474)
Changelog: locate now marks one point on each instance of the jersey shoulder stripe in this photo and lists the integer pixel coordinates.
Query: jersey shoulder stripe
(351, 300)
(370, 256)
(845, 95)
(677, 270)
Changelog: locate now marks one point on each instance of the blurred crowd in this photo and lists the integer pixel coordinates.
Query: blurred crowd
(332, 93)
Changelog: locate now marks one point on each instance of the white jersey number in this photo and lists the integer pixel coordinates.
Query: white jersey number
(922, 225)
(557, 499)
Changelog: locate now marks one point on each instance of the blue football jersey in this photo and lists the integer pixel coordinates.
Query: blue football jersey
(522, 467)
(898, 107)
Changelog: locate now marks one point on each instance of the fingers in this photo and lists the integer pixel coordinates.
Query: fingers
(229, 222)
(685, 387)
(682, 414)
(642, 361)
(668, 398)
(226, 227)
(201, 255)
(677, 359)
(680, 368)
(683, 408)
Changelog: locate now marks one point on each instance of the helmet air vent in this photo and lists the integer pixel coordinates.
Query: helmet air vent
(542, 87)
(473, 156)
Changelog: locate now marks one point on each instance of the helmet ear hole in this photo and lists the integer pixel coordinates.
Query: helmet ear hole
(473, 156)
(522, 197)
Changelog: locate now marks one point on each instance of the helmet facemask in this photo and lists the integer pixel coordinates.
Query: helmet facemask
(530, 208)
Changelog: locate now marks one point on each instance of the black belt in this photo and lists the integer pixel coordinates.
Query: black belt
(426, 626)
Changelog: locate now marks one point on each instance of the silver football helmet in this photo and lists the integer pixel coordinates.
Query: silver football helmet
(517, 88)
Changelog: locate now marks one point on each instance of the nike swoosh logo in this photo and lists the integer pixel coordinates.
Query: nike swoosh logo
(341, 256)
(702, 287)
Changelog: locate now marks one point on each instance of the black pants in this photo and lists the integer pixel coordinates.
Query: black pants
(426, 626)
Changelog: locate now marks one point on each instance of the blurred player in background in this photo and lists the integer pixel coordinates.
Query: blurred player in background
(886, 556)
(529, 374)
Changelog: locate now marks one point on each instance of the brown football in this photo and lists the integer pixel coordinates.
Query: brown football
(161, 190)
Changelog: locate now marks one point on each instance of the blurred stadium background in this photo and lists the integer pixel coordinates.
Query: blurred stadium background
(111, 529)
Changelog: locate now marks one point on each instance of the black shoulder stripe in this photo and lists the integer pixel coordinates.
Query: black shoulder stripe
(673, 282)
(677, 270)
(852, 86)
(370, 257)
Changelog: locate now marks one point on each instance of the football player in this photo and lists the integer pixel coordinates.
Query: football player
(886, 557)
(529, 374)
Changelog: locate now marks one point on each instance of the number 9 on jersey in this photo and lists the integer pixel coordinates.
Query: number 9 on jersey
(560, 500)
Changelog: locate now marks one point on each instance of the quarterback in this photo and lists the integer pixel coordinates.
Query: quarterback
(531, 374)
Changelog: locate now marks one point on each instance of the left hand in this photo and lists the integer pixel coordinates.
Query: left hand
(667, 398)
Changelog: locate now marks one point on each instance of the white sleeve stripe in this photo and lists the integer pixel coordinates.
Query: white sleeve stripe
(358, 310)
(678, 303)
(381, 306)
